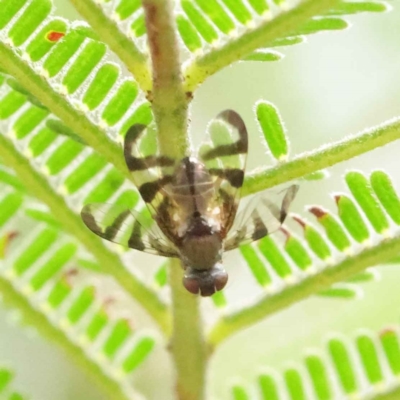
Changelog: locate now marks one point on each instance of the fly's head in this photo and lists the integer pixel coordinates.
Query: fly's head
(201, 253)
(205, 282)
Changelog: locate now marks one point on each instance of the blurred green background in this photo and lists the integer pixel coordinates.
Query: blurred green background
(335, 84)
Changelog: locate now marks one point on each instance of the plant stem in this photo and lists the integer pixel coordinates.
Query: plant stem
(33, 317)
(392, 395)
(323, 157)
(107, 29)
(270, 304)
(169, 101)
(170, 108)
(234, 50)
(57, 103)
(109, 262)
(188, 345)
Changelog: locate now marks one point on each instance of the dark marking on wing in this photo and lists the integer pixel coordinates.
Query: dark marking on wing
(149, 190)
(165, 222)
(135, 241)
(90, 222)
(238, 147)
(234, 176)
(141, 163)
(112, 230)
(287, 200)
(260, 229)
(117, 224)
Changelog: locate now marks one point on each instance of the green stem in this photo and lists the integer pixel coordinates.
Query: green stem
(58, 105)
(187, 346)
(124, 47)
(33, 317)
(108, 261)
(392, 395)
(261, 37)
(323, 157)
(270, 304)
(170, 108)
(169, 101)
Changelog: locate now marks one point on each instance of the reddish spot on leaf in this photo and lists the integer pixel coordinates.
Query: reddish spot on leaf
(109, 301)
(54, 36)
(5, 242)
(387, 332)
(317, 211)
(12, 235)
(72, 272)
(299, 220)
(337, 198)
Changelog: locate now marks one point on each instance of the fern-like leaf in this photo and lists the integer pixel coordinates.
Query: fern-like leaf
(293, 269)
(365, 367)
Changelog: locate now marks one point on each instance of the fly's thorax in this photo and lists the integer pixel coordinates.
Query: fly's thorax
(201, 246)
(192, 186)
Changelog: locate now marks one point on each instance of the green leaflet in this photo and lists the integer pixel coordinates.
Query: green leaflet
(126, 8)
(6, 385)
(273, 129)
(351, 218)
(268, 387)
(361, 189)
(384, 190)
(239, 393)
(199, 21)
(188, 33)
(333, 229)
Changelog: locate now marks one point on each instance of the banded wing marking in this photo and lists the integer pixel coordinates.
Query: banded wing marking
(225, 159)
(260, 218)
(150, 172)
(120, 225)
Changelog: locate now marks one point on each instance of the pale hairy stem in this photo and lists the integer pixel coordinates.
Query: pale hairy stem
(188, 345)
(392, 395)
(169, 101)
(324, 157)
(122, 45)
(170, 108)
(234, 50)
(272, 303)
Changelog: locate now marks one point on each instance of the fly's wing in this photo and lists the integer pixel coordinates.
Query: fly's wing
(225, 159)
(260, 218)
(151, 172)
(120, 225)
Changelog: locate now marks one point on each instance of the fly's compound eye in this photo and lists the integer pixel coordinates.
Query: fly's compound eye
(220, 279)
(205, 282)
(191, 284)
